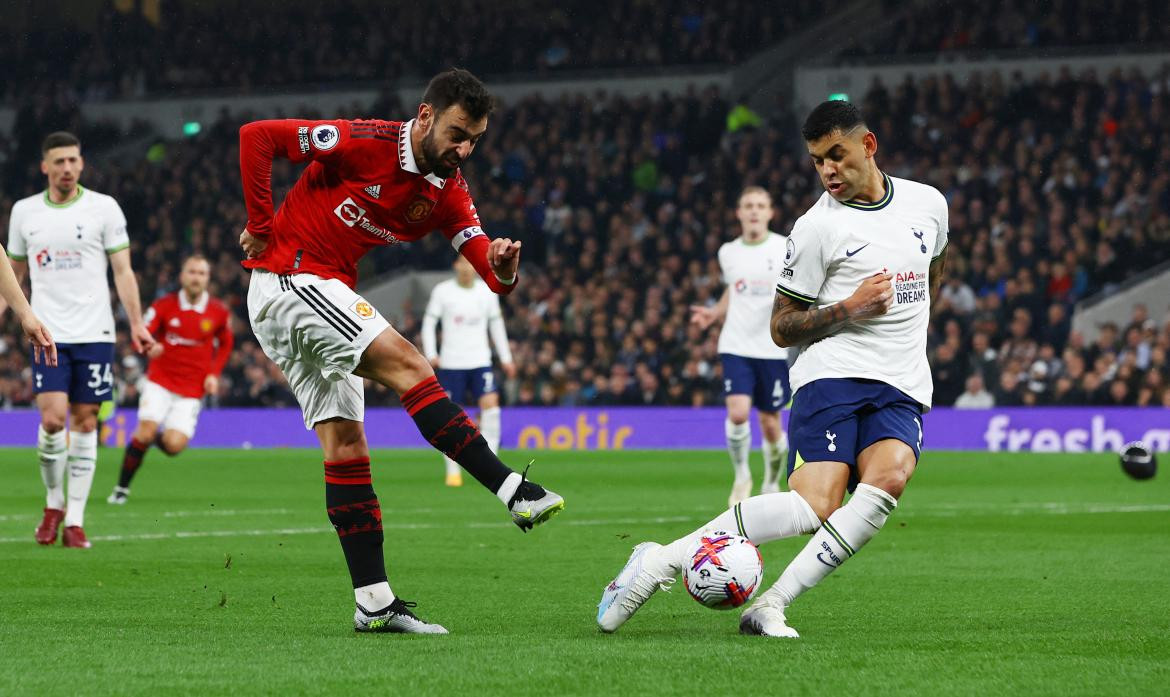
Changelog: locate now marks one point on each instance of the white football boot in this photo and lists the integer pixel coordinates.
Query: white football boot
(740, 490)
(765, 617)
(644, 574)
(395, 618)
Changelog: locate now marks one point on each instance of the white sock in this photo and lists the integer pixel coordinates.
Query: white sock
(774, 454)
(739, 445)
(51, 450)
(508, 489)
(374, 597)
(843, 534)
(489, 427)
(82, 463)
(760, 519)
(452, 466)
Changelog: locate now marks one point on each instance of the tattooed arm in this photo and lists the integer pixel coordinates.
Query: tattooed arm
(938, 267)
(793, 322)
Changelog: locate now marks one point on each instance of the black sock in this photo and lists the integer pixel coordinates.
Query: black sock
(446, 427)
(131, 461)
(355, 513)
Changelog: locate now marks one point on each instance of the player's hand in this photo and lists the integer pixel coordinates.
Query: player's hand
(703, 316)
(44, 349)
(872, 298)
(504, 258)
(155, 351)
(253, 246)
(509, 370)
(211, 385)
(140, 338)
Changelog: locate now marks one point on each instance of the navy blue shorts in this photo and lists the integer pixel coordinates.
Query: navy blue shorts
(764, 379)
(834, 419)
(84, 371)
(467, 386)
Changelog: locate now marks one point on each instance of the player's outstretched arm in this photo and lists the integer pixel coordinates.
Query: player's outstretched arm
(43, 346)
(497, 262)
(127, 287)
(703, 316)
(794, 322)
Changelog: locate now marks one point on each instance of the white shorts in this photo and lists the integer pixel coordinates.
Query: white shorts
(316, 330)
(171, 411)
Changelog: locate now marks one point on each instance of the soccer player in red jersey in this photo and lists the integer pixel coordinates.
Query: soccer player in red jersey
(194, 341)
(371, 183)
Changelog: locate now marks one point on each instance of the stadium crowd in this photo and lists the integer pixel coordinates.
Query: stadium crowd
(949, 28)
(1058, 190)
(200, 46)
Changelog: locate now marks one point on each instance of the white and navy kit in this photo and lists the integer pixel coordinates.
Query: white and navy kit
(752, 363)
(67, 247)
(870, 380)
(468, 315)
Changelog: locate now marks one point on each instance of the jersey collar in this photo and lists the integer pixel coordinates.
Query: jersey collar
(199, 306)
(875, 205)
(406, 156)
(76, 197)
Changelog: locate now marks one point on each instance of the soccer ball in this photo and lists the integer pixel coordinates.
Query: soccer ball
(723, 570)
(1138, 461)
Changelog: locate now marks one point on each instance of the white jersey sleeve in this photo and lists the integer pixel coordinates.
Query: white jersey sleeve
(114, 235)
(430, 321)
(806, 261)
(944, 228)
(17, 246)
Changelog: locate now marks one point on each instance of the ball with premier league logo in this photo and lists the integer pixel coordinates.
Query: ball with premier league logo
(724, 570)
(1138, 461)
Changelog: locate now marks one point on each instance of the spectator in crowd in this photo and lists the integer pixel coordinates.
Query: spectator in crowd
(975, 396)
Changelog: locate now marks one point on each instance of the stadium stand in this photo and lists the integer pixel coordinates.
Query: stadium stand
(1058, 189)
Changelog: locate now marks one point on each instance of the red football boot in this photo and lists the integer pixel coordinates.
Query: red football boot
(74, 536)
(47, 530)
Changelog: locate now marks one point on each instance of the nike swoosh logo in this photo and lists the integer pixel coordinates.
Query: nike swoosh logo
(99, 393)
(849, 253)
(831, 566)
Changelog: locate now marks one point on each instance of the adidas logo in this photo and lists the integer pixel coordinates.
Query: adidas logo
(374, 190)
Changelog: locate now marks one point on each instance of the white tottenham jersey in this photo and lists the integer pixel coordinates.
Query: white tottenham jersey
(833, 248)
(467, 315)
(67, 247)
(750, 271)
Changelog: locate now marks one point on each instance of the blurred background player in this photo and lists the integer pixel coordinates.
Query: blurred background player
(304, 258)
(469, 312)
(72, 235)
(195, 339)
(755, 370)
(855, 296)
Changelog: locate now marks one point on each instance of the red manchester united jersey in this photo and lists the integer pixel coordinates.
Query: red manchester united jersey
(362, 188)
(196, 340)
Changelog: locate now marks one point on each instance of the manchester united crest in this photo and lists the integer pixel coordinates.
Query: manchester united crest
(205, 325)
(363, 309)
(419, 209)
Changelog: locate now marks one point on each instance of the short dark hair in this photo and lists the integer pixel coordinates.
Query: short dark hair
(835, 115)
(458, 86)
(60, 139)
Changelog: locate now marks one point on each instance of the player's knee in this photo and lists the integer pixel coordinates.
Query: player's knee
(738, 415)
(172, 443)
(145, 432)
(892, 480)
(87, 423)
(53, 423)
(823, 506)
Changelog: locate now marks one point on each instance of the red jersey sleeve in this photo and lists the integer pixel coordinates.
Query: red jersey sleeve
(293, 139)
(225, 340)
(460, 224)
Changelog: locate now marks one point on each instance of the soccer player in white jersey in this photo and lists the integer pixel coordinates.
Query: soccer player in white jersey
(66, 238)
(469, 312)
(755, 370)
(854, 296)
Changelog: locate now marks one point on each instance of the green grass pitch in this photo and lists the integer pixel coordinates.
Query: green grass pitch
(999, 574)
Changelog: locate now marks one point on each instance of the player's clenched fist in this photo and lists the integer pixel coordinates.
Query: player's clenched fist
(253, 246)
(504, 258)
(872, 298)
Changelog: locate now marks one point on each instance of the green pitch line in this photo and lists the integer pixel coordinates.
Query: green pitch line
(1011, 574)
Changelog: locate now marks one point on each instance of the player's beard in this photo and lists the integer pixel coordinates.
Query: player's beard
(435, 158)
